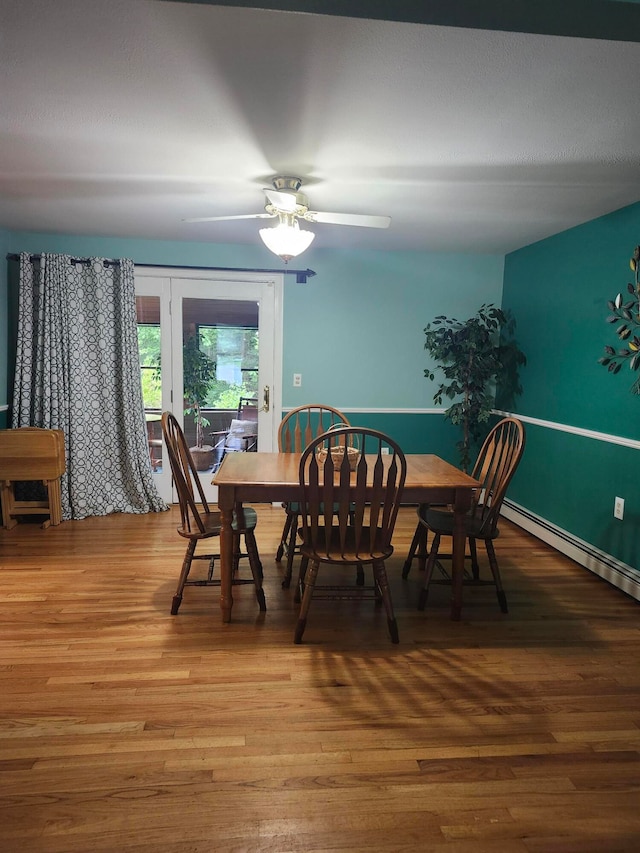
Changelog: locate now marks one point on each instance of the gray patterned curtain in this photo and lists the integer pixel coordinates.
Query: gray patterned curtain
(77, 369)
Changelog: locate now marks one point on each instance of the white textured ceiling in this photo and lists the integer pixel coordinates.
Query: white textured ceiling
(124, 118)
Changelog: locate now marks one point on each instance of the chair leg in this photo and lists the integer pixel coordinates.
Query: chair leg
(236, 553)
(475, 567)
(418, 549)
(309, 584)
(431, 562)
(211, 569)
(382, 583)
(495, 571)
(304, 562)
(256, 557)
(423, 552)
(256, 567)
(412, 552)
(284, 538)
(184, 574)
(377, 592)
(291, 550)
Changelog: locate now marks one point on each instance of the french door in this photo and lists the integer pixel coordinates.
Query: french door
(207, 339)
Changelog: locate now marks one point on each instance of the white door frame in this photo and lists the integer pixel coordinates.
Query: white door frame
(170, 285)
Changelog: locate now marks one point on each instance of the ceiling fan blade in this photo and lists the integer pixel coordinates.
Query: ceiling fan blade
(224, 218)
(283, 201)
(347, 219)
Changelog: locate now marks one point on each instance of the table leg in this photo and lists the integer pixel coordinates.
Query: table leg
(226, 563)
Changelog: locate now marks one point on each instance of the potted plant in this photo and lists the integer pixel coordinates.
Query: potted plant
(473, 354)
(198, 371)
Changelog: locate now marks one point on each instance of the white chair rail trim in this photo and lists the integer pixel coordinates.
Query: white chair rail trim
(366, 410)
(632, 443)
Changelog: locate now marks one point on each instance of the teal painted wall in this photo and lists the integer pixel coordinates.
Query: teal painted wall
(354, 331)
(423, 433)
(558, 289)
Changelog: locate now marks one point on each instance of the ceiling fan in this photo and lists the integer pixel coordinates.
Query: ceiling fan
(286, 203)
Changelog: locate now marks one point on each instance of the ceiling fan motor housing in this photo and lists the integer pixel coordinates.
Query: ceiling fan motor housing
(285, 182)
(289, 186)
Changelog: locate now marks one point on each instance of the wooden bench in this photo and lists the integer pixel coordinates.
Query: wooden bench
(31, 454)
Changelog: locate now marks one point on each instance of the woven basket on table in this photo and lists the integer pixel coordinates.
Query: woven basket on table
(337, 453)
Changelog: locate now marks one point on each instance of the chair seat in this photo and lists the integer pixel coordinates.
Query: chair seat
(441, 521)
(213, 524)
(334, 551)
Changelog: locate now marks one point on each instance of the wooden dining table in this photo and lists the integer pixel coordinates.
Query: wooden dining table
(273, 477)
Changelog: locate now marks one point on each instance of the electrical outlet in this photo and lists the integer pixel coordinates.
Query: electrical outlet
(297, 380)
(384, 451)
(618, 508)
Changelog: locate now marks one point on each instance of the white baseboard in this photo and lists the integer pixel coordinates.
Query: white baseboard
(622, 576)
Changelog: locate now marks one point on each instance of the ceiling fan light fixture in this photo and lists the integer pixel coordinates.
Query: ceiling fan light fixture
(287, 239)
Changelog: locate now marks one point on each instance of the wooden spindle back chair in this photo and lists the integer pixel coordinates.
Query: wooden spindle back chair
(297, 429)
(348, 511)
(242, 434)
(199, 522)
(496, 464)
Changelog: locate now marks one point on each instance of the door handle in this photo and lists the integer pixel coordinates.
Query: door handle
(265, 399)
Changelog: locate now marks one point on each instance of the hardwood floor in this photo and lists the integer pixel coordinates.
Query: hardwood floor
(125, 729)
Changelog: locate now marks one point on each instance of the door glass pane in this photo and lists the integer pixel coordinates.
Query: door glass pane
(148, 315)
(220, 367)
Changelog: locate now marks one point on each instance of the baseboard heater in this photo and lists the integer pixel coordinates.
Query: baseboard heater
(619, 574)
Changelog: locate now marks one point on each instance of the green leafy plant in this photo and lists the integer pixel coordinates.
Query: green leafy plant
(198, 371)
(473, 354)
(627, 315)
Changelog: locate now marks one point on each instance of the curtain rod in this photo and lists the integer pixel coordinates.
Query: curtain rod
(105, 261)
(301, 275)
